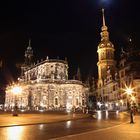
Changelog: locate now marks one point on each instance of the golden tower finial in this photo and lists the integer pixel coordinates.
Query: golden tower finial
(104, 27)
(103, 16)
(104, 33)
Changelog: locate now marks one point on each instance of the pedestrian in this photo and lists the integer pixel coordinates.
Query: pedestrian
(131, 115)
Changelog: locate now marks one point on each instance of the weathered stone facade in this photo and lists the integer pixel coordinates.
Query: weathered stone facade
(45, 86)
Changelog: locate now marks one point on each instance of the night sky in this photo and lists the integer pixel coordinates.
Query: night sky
(64, 28)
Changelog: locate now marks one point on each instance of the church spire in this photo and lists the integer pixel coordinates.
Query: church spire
(103, 17)
(28, 54)
(104, 33)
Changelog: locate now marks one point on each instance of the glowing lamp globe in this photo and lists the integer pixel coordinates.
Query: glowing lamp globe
(17, 90)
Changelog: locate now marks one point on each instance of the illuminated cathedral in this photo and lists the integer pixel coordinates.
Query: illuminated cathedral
(45, 86)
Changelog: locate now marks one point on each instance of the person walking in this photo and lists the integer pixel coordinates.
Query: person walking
(131, 115)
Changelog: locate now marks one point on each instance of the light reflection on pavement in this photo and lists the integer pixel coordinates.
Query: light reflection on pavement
(15, 133)
(53, 130)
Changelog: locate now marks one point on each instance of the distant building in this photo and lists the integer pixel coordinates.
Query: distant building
(46, 86)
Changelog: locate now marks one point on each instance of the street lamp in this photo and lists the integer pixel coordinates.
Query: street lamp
(129, 92)
(16, 90)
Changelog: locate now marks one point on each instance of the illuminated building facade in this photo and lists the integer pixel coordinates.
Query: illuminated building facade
(112, 79)
(45, 86)
(129, 74)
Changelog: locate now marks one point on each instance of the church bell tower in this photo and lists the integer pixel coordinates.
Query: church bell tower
(28, 55)
(28, 59)
(105, 54)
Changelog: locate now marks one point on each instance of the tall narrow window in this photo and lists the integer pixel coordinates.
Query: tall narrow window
(83, 102)
(77, 101)
(56, 101)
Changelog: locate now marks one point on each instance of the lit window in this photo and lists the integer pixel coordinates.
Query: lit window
(108, 44)
(77, 101)
(102, 45)
(44, 97)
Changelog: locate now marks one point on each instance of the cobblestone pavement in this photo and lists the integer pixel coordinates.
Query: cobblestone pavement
(124, 131)
(6, 119)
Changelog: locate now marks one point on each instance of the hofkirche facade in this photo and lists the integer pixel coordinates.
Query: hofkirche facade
(45, 86)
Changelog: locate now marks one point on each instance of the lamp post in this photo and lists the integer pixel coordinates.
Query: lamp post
(129, 92)
(16, 90)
